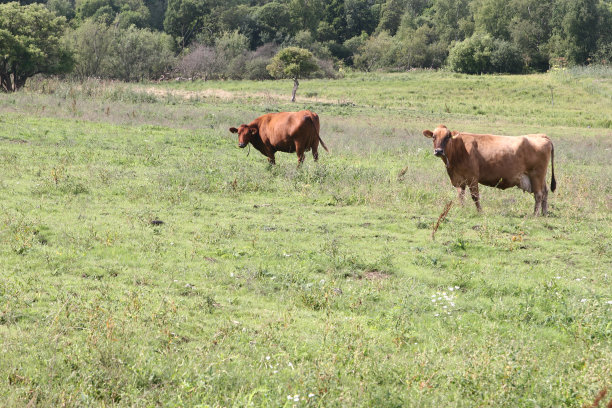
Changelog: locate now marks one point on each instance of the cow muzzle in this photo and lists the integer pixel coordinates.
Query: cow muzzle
(439, 152)
(242, 145)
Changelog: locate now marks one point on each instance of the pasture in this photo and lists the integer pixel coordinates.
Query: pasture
(146, 260)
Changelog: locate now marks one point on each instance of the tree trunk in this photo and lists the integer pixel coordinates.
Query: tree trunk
(295, 87)
(6, 85)
(19, 82)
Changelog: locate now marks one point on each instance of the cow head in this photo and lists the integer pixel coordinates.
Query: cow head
(245, 134)
(441, 135)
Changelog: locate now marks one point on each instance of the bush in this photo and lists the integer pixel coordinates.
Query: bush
(201, 62)
(255, 69)
(481, 54)
(138, 54)
(377, 52)
(420, 48)
(127, 54)
(90, 42)
(506, 57)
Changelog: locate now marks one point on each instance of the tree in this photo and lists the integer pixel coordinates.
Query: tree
(184, 18)
(576, 29)
(137, 54)
(375, 53)
(273, 21)
(91, 43)
(482, 54)
(390, 16)
(293, 62)
(30, 44)
(493, 17)
(359, 17)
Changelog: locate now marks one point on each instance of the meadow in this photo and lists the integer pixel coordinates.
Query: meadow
(146, 260)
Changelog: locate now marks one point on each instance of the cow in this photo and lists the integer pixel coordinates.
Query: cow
(282, 132)
(496, 161)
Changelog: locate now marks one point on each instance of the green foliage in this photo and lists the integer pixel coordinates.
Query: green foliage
(578, 27)
(30, 44)
(452, 20)
(273, 22)
(128, 54)
(483, 54)
(293, 62)
(91, 43)
(120, 13)
(359, 17)
(493, 17)
(420, 48)
(137, 54)
(391, 16)
(184, 19)
(62, 8)
(375, 53)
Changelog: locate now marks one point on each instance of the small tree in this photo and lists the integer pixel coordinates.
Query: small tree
(30, 44)
(293, 62)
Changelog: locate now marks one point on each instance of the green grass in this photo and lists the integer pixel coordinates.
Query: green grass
(264, 283)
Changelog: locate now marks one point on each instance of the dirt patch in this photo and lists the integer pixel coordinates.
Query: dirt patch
(376, 275)
(185, 94)
(223, 94)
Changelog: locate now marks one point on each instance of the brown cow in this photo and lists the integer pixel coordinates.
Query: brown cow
(496, 161)
(282, 132)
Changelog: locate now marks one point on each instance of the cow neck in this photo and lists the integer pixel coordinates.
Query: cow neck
(256, 140)
(452, 150)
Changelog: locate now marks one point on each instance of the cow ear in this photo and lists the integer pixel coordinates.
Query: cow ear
(454, 134)
(428, 133)
(233, 130)
(253, 130)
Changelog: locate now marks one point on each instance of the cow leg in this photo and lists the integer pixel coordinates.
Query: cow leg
(545, 201)
(539, 191)
(475, 195)
(541, 202)
(299, 150)
(538, 202)
(461, 193)
(315, 152)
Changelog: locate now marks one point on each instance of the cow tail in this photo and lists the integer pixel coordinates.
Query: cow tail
(317, 132)
(553, 182)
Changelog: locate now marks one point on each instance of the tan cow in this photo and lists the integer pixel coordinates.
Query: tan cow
(496, 161)
(282, 132)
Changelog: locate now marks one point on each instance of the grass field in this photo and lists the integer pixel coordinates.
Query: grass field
(146, 260)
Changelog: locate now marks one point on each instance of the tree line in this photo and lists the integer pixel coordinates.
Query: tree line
(139, 39)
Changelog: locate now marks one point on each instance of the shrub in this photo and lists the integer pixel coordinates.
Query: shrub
(420, 48)
(376, 53)
(128, 54)
(506, 57)
(482, 54)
